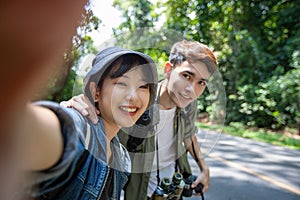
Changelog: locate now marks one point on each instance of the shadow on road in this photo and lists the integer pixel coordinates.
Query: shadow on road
(242, 169)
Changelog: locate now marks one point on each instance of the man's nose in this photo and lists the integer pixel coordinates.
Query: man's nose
(191, 89)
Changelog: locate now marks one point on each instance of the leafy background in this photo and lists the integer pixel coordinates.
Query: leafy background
(257, 44)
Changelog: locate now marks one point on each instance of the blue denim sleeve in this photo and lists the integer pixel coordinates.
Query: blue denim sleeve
(70, 138)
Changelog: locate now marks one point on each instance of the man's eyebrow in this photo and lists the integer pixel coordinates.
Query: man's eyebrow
(204, 79)
(193, 74)
(190, 73)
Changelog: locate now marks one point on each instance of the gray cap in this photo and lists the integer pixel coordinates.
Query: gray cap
(107, 56)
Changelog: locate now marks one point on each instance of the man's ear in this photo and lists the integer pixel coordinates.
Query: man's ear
(95, 91)
(167, 69)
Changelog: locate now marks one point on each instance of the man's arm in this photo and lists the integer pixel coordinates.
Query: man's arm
(195, 151)
(39, 139)
(83, 105)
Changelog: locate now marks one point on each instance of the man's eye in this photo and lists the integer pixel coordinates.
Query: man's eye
(186, 76)
(202, 83)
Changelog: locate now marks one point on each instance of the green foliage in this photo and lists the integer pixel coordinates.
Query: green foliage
(276, 103)
(138, 31)
(238, 129)
(137, 14)
(257, 43)
(68, 89)
(61, 87)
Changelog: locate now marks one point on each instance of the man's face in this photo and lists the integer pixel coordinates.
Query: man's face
(186, 82)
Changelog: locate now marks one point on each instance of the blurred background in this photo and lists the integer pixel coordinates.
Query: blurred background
(257, 44)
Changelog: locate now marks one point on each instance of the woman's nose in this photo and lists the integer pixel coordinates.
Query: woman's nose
(131, 95)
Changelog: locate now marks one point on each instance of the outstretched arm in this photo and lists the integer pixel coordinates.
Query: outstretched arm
(39, 139)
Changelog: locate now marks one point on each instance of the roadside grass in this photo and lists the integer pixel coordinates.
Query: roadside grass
(287, 139)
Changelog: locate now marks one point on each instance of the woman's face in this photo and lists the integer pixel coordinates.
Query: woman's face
(124, 99)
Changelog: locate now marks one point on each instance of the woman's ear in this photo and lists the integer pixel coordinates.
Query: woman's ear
(167, 69)
(95, 91)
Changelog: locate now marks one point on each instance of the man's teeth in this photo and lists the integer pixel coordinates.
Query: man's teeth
(128, 109)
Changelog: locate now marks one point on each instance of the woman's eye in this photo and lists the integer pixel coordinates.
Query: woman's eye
(121, 83)
(146, 86)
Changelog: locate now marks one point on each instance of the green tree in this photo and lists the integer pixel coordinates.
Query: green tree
(257, 43)
(138, 32)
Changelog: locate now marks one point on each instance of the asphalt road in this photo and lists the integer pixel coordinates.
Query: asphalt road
(242, 169)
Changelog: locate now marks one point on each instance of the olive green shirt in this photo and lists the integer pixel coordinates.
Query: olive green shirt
(142, 158)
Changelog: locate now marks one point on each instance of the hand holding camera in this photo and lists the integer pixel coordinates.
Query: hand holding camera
(177, 187)
(188, 191)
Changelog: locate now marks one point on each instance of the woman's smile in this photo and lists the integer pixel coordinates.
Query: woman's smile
(130, 110)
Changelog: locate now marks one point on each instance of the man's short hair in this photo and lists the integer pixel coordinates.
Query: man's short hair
(192, 52)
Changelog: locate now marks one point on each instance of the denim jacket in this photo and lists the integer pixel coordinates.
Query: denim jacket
(82, 171)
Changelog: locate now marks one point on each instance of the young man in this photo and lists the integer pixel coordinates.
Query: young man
(173, 129)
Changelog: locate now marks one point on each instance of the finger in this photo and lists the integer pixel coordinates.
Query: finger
(81, 101)
(205, 185)
(92, 114)
(78, 97)
(92, 110)
(88, 107)
(94, 118)
(65, 104)
(196, 182)
(85, 107)
(80, 108)
(205, 189)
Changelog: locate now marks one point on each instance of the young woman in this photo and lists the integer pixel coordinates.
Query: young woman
(69, 157)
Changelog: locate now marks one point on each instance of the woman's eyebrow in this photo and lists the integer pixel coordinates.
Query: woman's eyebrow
(141, 79)
(125, 76)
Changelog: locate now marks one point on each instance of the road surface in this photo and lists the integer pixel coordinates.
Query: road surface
(243, 169)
